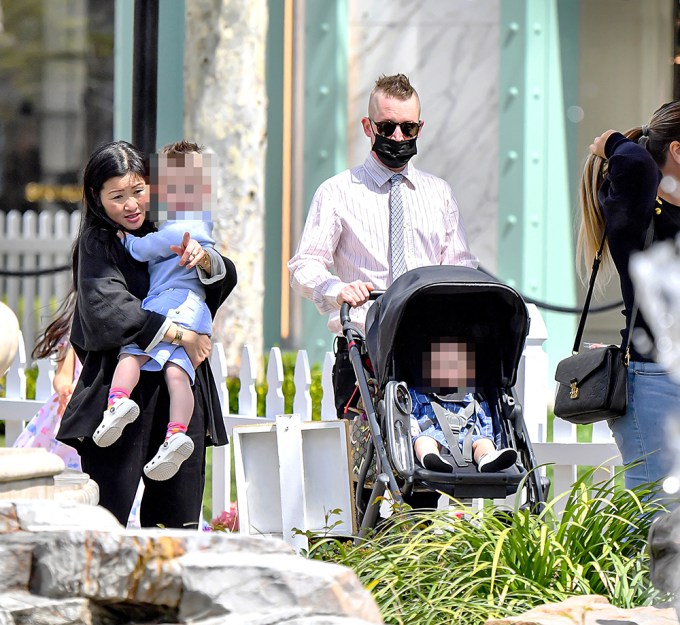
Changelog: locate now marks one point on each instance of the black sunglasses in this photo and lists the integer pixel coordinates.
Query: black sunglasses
(408, 129)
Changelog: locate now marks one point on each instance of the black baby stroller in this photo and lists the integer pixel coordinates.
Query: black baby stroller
(443, 301)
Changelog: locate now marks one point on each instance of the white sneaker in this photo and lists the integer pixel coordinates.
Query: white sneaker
(122, 412)
(497, 460)
(171, 454)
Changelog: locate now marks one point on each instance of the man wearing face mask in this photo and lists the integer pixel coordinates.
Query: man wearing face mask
(354, 227)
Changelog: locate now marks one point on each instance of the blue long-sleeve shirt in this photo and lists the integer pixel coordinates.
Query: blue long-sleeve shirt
(164, 269)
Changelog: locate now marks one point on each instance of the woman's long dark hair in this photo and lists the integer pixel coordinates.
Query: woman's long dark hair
(117, 158)
(46, 344)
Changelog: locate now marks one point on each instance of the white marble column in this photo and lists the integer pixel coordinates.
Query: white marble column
(449, 49)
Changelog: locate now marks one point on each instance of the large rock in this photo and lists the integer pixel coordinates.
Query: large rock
(664, 555)
(64, 562)
(590, 610)
(664, 551)
(302, 587)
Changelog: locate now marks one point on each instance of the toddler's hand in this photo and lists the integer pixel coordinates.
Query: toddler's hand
(64, 394)
(189, 251)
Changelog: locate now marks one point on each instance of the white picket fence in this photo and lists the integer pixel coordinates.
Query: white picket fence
(563, 452)
(32, 241)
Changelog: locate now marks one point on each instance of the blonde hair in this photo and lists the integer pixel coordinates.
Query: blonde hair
(592, 224)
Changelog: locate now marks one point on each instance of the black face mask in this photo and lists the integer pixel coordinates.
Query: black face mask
(394, 154)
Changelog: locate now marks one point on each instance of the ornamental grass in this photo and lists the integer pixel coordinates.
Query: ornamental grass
(466, 565)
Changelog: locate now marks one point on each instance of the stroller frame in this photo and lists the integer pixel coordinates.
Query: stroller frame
(396, 470)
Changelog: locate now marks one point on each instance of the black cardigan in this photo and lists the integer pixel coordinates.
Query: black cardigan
(108, 315)
(628, 197)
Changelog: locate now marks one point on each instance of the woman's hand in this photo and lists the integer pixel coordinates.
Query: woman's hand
(197, 346)
(189, 251)
(597, 146)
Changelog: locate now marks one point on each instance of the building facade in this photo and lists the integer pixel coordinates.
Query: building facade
(512, 91)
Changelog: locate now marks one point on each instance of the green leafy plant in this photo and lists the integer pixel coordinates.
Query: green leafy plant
(465, 565)
(326, 548)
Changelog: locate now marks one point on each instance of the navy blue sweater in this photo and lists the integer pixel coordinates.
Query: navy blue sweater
(628, 197)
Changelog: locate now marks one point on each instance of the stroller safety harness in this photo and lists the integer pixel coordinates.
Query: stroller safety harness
(451, 424)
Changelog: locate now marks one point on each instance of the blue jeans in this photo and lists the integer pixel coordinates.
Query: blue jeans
(642, 434)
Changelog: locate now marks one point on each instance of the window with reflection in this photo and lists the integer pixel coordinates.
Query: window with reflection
(56, 97)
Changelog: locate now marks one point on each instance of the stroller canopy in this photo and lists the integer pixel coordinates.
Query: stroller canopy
(447, 301)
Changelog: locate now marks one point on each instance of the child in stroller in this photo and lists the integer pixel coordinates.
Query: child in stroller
(422, 306)
(448, 406)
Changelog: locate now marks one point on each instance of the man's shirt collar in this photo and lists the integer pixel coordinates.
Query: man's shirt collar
(381, 174)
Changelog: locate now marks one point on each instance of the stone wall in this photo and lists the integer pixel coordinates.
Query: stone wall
(73, 564)
(67, 563)
(590, 610)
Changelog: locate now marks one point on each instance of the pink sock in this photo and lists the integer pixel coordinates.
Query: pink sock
(117, 393)
(174, 427)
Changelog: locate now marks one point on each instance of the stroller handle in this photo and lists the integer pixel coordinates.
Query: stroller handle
(344, 309)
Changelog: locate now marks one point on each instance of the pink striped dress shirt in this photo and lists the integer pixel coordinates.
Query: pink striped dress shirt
(346, 235)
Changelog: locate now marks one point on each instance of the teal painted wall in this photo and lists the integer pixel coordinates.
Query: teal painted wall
(273, 176)
(324, 65)
(170, 121)
(325, 106)
(170, 110)
(536, 207)
(122, 70)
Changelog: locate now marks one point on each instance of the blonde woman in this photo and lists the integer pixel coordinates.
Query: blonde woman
(630, 181)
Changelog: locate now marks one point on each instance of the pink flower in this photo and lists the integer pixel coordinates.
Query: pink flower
(227, 521)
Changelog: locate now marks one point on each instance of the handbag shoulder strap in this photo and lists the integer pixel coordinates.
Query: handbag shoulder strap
(591, 285)
(589, 295)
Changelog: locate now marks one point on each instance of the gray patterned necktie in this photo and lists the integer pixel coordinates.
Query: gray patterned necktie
(397, 254)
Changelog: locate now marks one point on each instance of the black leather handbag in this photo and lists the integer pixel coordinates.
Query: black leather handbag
(592, 385)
